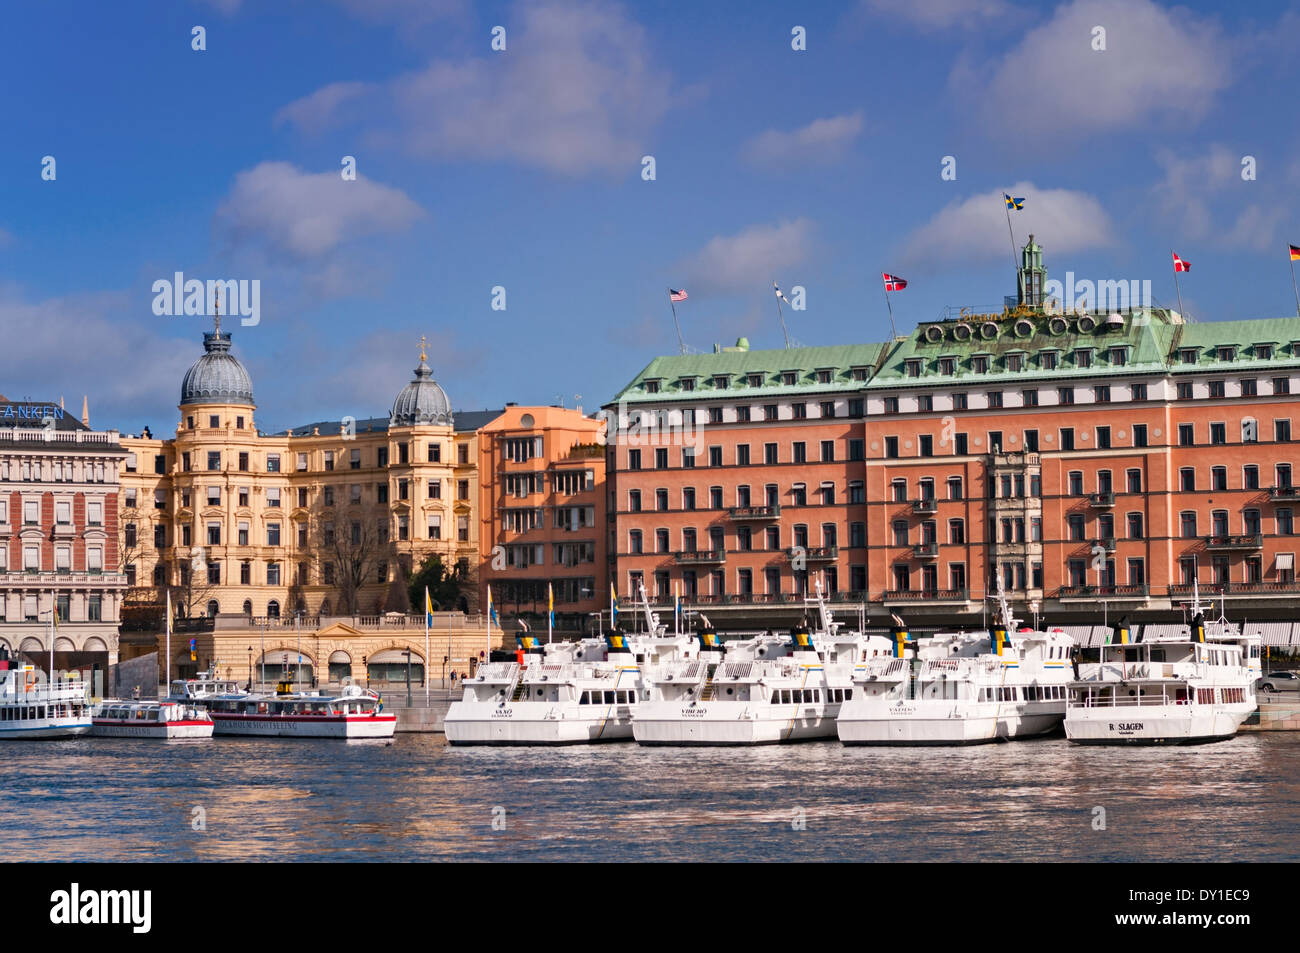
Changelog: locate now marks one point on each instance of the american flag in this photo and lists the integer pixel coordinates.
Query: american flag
(1179, 264)
(676, 295)
(893, 282)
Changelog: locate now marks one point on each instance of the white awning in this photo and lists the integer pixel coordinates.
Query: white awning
(394, 656)
(1285, 560)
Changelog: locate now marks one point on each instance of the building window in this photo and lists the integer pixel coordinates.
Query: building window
(1184, 390)
(1101, 393)
(1186, 435)
(1282, 431)
(995, 399)
(1139, 435)
(1138, 391)
(1187, 479)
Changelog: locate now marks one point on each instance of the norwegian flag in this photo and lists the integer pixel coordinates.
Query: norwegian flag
(676, 295)
(893, 282)
(1180, 265)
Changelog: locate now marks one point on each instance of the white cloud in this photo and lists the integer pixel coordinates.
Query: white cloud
(1053, 84)
(750, 259)
(303, 215)
(576, 91)
(975, 228)
(321, 109)
(939, 14)
(41, 363)
(821, 141)
(1203, 197)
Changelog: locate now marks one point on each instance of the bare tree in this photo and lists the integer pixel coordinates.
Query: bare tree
(351, 543)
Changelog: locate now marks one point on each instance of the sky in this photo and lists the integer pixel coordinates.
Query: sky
(885, 143)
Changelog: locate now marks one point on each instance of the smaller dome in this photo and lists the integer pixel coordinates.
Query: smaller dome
(422, 401)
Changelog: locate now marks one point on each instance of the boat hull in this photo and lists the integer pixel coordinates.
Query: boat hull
(944, 724)
(45, 728)
(104, 728)
(532, 723)
(304, 726)
(1169, 724)
(731, 723)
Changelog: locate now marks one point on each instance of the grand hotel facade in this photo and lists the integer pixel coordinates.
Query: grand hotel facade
(1081, 459)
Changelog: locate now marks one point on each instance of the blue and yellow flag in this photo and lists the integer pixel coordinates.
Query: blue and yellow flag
(428, 609)
(677, 601)
(617, 642)
(613, 605)
(550, 604)
(1015, 203)
(193, 657)
(528, 642)
(492, 612)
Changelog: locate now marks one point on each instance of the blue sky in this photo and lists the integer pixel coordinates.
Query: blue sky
(522, 169)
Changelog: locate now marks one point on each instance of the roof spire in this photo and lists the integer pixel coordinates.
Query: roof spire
(423, 345)
(85, 410)
(216, 300)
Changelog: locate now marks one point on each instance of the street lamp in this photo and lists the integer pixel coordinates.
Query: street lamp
(408, 677)
(250, 668)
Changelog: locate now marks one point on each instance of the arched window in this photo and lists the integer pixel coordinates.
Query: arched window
(325, 607)
(273, 609)
(248, 607)
(212, 608)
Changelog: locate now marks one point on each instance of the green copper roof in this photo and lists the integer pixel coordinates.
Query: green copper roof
(1242, 337)
(737, 364)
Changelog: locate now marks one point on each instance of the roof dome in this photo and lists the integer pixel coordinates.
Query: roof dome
(217, 377)
(421, 401)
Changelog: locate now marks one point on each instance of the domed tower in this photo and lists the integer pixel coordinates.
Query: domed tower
(422, 401)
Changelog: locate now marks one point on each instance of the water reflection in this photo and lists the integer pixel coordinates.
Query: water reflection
(417, 799)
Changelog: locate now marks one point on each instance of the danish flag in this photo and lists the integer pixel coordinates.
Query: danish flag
(893, 282)
(1180, 265)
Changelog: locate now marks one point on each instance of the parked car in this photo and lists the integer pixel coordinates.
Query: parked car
(1278, 682)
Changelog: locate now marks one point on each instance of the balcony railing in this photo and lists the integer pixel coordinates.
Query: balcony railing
(1251, 541)
(926, 595)
(1108, 544)
(755, 512)
(926, 551)
(1102, 592)
(1279, 493)
(1101, 500)
(925, 507)
(697, 556)
(1236, 589)
(814, 553)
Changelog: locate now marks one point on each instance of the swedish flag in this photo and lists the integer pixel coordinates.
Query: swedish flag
(1015, 203)
(428, 608)
(550, 604)
(492, 612)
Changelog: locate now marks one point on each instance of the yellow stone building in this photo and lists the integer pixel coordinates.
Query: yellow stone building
(318, 521)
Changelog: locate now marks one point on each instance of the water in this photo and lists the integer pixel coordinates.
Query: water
(419, 799)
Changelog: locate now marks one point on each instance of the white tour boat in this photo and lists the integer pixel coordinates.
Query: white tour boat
(1168, 689)
(35, 706)
(118, 718)
(764, 690)
(32, 708)
(564, 692)
(354, 713)
(961, 687)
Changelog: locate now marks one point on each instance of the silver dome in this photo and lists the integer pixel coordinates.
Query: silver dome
(421, 401)
(217, 377)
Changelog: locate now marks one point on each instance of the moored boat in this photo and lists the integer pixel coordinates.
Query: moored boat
(117, 718)
(1168, 689)
(31, 708)
(961, 687)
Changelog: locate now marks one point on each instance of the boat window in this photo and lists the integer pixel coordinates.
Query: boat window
(609, 698)
(584, 699)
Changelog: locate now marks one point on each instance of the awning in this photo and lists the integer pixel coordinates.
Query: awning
(340, 658)
(394, 656)
(1285, 561)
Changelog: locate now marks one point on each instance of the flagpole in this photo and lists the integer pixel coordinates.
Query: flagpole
(1182, 314)
(1015, 261)
(1293, 285)
(893, 332)
(781, 315)
(167, 673)
(672, 304)
(426, 647)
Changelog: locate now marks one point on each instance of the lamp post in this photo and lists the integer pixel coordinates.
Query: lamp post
(408, 678)
(250, 668)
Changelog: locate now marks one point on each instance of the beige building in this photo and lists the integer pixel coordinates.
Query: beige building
(319, 520)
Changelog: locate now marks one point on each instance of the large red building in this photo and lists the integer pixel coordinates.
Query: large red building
(1081, 458)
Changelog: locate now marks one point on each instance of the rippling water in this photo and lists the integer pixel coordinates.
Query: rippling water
(419, 799)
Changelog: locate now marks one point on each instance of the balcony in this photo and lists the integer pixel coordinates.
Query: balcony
(1101, 501)
(926, 595)
(755, 512)
(1283, 494)
(1102, 592)
(1182, 590)
(925, 551)
(699, 557)
(814, 554)
(926, 507)
(1247, 542)
(1108, 544)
